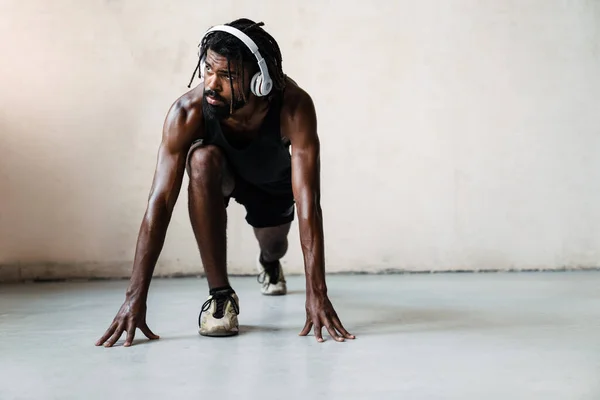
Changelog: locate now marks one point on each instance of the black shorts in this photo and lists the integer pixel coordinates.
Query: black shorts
(264, 208)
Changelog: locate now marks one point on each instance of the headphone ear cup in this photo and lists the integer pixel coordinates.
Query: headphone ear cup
(202, 68)
(256, 84)
(266, 86)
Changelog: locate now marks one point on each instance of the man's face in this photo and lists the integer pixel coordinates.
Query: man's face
(218, 97)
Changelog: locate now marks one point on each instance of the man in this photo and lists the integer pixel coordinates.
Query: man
(232, 134)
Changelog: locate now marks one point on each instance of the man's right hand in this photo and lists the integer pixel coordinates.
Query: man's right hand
(184, 124)
(132, 315)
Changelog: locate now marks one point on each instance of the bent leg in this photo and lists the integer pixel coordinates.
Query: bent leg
(273, 245)
(273, 241)
(210, 182)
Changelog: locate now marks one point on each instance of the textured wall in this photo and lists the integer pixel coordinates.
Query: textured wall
(456, 135)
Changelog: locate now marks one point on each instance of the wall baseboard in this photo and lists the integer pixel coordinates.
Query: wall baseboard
(28, 272)
(14, 273)
(60, 271)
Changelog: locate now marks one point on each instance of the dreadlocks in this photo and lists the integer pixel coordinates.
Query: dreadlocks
(239, 55)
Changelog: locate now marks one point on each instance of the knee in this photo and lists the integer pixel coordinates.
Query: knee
(276, 249)
(205, 161)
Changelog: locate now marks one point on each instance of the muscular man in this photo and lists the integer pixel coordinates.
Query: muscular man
(232, 135)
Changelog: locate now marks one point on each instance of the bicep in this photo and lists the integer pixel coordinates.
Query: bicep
(305, 155)
(178, 134)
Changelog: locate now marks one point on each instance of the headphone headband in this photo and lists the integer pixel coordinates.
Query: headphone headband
(240, 35)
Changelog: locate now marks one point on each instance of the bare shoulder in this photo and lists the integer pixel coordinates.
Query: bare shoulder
(296, 100)
(298, 114)
(184, 122)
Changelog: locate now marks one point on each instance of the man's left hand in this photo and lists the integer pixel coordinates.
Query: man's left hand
(320, 314)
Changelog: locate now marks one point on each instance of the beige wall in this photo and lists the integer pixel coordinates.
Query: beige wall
(456, 134)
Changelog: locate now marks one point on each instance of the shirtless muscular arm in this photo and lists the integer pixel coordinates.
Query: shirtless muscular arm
(299, 124)
(182, 125)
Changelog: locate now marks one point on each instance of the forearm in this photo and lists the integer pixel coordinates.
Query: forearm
(313, 247)
(150, 242)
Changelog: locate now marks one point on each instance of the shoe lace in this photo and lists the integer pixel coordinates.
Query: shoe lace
(220, 299)
(270, 269)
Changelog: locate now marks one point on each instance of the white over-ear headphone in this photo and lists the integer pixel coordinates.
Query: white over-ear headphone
(261, 83)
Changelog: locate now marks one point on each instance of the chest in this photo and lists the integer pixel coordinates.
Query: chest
(240, 139)
(243, 137)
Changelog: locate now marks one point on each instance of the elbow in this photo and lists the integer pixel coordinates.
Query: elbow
(309, 208)
(158, 211)
(310, 221)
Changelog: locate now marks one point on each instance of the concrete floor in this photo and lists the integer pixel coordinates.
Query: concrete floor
(440, 336)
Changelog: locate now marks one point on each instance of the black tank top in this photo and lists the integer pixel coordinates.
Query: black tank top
(266, 161)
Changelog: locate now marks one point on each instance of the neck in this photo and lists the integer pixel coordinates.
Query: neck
(246, 115)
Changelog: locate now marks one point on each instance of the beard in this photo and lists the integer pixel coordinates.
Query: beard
(221, 112)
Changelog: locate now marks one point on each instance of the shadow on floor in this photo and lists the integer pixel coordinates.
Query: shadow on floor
(244, 329)
(388, 320)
